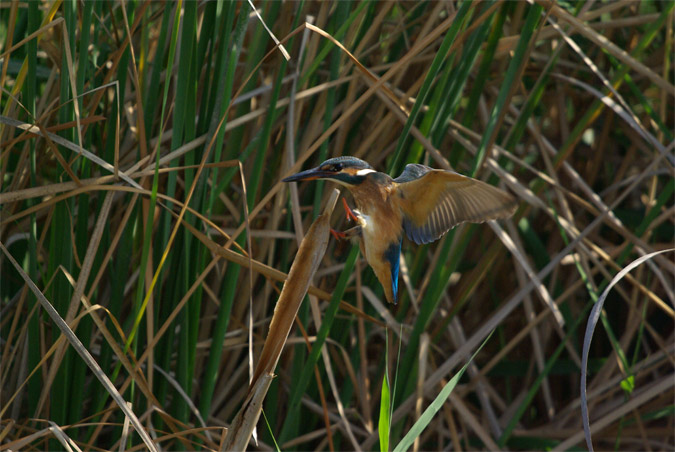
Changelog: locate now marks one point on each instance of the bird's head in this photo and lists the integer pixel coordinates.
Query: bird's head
(348, 171)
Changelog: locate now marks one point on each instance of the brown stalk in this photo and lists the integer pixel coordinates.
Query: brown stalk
(304, 266)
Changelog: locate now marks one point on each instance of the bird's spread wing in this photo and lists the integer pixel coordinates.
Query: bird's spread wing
(434, 201)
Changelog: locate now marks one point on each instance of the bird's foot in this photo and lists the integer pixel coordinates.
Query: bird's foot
(338, 235)
(346, 235)
(350, 213)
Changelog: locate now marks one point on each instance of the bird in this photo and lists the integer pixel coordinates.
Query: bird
(423, 203)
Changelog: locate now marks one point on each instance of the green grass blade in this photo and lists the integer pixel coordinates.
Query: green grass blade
(384, 423)
(232, 272)
(516, 65)
(481, 78)
(435, 67)
(327, 45)
(433, 408)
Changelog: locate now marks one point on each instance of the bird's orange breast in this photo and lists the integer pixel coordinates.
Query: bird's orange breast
(381, 224)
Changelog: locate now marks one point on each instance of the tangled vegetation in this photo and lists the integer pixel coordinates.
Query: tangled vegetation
(145, 233)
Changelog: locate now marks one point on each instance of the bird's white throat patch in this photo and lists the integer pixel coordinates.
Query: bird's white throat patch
(364, 220)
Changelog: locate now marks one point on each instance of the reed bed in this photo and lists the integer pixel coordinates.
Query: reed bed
(147, 240)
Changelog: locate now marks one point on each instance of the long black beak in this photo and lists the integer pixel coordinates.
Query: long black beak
(310, 174)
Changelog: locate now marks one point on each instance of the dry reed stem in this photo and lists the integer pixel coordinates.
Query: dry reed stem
(304, 266)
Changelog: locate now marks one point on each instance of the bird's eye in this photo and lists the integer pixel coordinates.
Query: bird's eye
(337, 167)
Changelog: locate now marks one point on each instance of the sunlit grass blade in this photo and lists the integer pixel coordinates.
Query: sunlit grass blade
(433, 408)
(384, 423)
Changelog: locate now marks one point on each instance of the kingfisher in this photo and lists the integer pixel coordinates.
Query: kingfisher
(423, 203)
